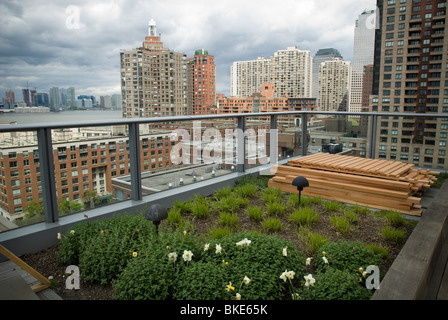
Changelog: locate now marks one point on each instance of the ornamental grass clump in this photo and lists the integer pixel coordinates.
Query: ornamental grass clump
(304, 217)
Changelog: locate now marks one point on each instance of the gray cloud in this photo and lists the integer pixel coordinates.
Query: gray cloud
(40, 45)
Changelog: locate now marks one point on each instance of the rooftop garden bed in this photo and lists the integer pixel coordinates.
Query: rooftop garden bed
(248, 242)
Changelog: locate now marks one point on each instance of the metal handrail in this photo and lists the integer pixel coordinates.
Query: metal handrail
(46, 151)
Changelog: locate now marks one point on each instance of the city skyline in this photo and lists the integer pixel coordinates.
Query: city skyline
(63, 51)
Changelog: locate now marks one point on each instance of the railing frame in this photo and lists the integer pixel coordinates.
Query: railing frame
(46, 150)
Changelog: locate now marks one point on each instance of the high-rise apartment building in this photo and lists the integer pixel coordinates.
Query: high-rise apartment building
(153, 79)
(334, 85)
(322, 55)
(55, 98)
(247, 77)
(71, 98)
(363, 54)
(289, 70)
(411, 65)
(202, 83)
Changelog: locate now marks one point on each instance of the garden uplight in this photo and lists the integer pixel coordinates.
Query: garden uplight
(156, 213)
(300, 183)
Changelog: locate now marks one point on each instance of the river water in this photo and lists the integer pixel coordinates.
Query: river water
(63, 116)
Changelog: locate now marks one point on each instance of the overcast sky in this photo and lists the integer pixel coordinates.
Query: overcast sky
(77, 43)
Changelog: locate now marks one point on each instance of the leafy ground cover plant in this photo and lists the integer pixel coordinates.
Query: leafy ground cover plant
(240, 271)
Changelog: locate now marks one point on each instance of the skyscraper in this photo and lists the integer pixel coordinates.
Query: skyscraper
(55, 98)
(202, 83)
(411, 76)
(334, 85)
(153, 79)
(289, 70)
(71, 98)
(363, 54)
(321, 56)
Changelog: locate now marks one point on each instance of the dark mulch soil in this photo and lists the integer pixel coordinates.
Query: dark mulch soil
(368, 230)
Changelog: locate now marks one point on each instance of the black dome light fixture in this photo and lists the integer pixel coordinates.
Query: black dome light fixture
(300, 183)
(156, 213)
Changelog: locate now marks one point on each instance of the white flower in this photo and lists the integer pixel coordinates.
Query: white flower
(238, 296)
(308, 261)
(309, 280)
(72, 231)
(287, 275)
(187, 255)
(285, 252)
(246, 280)
(134, 254)
(206, 246)
(218, 248)
(245, 242)
(59, 236)
(172, 256)
(325, 259)
(290, 275)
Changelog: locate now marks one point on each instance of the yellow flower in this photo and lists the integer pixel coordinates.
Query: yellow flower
(134, 254)
(102, 231)
(185, 233)
(230, 287)
(59, 236)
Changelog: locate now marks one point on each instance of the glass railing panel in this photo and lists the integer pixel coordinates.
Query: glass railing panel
(341, 134)
(20, 180)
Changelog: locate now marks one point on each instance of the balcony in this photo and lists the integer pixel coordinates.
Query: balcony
(165, 187)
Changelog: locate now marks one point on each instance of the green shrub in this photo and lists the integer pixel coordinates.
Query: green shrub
(147, 277)
(105, 254)
(151, 275)
(271, 225)
(304, 216)
(345, 255)
(336, 284)
(393, 236)
(262, 261)
(255, 213)
(202, 281)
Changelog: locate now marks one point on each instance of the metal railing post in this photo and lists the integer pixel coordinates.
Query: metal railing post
(136, 171)
(304, 134)
(241, 145)
(372, 137)
(273, 141)
(46, 162)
